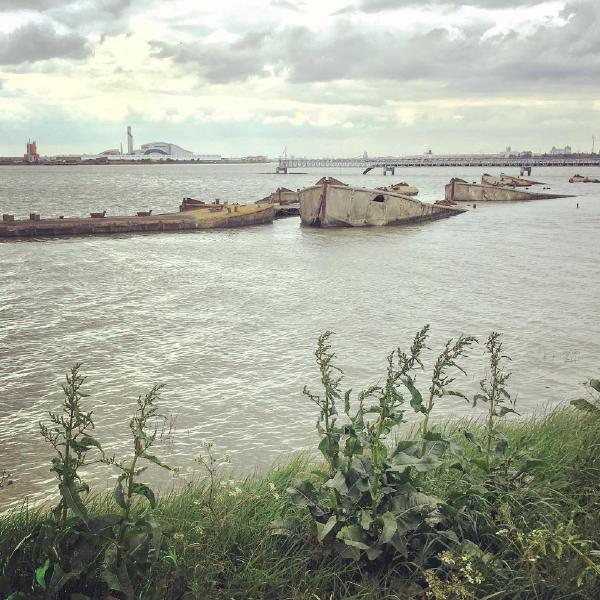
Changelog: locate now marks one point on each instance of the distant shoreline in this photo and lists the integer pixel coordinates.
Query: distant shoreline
(101, 162)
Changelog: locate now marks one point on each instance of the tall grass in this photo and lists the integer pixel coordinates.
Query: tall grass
(231, 554)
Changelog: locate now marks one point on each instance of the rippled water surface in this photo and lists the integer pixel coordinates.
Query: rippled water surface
(228, 319)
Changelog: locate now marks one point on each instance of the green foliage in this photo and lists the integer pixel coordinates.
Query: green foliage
(138, 538)
(371, 503)
(494, 445)
(73, 554)
(68, 435)
(591, 406)
(388, 515)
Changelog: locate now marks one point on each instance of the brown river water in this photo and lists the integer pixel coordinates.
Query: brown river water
(228, 320)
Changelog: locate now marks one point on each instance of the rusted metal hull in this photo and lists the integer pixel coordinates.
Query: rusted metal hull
(330, 205)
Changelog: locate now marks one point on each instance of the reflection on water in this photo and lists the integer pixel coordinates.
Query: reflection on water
(228, 319)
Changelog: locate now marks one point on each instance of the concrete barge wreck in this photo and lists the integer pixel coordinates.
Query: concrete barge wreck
(331, 203)
(192, 215)
(458, 190)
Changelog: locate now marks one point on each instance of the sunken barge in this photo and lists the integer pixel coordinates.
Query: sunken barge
(331, 203)
(193, 215)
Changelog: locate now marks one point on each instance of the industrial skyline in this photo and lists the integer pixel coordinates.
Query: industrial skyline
(325, 77)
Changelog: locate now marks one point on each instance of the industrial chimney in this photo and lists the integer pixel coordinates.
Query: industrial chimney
(129, 140)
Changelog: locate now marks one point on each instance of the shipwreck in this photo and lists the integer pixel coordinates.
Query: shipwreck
(193, 215)
(504, 180)
(458, 190)
(582, 179)
(285, 202)
(401, 188)
(331, 203)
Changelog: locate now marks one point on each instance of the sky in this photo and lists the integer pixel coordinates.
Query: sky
(318, 77)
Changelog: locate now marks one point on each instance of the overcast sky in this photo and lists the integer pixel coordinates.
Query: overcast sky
(320, 77)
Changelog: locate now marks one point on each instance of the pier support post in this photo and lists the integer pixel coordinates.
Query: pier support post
(389, 169)
(525, 169)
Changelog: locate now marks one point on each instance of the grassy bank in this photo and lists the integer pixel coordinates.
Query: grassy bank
(495, 507)
(226, 550)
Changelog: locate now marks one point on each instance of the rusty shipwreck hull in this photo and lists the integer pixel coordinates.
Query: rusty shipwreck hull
(337, 205)
(171, 222)
(507, 180)
(459, 190)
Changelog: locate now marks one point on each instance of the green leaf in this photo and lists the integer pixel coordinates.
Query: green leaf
(338, 482)
(284, 527)
(99, 524)
(472, 439)
(381, 452)
(582, 404)
(324, 529)
(410, 498)
(365, 519)
(352, 535)
(477, 397)
(416, 400)
(119, 496)
(59, 579)
(156, 461)
(401, 462)
(40, 574)
(352, 446)
(72, 500)
(88, 441)
(373, 553)
(302, 493)
(504, 410)
(141, 489)
(329, 446)
(347, 401)
(390, 526)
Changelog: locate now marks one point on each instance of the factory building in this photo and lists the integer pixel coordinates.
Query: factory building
(31, 155)
(165, 150)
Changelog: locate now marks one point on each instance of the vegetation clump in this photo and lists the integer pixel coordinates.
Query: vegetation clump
(492, 508)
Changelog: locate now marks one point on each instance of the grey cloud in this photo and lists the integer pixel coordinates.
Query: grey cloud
(114, 7)
(553, 58)
(34, 42)
(29, 4)
(97, 16)
(556, 56)
(285, 5)
(375, 6)
(219, 63)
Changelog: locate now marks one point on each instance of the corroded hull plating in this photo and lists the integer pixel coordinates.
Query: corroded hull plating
(507, 180)
(461, 191)
(343, 206)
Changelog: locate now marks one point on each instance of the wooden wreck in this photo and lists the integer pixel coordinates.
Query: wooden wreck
(505, 180)
(192, 215)
(458, 190)
(331, 203)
